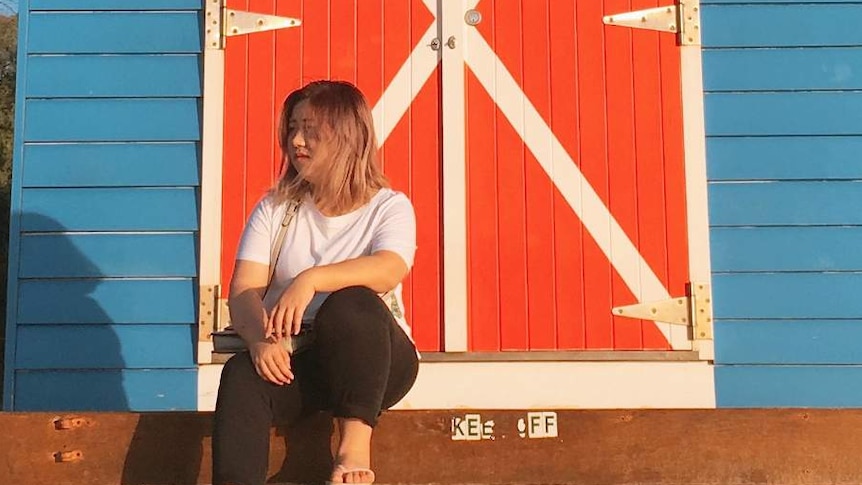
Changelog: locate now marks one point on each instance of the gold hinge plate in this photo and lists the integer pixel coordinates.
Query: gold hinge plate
(682, 19)
(693, 310)
(223, 22)
(207, 311)
(213, 311)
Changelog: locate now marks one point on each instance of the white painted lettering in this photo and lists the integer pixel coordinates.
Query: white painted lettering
(542, 424)
(471, 428)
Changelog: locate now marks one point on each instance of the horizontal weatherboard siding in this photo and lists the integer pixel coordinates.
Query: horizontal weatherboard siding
(115, 4)
(743, 249)
(105, 347)
(744, 296)
(89, 76)
(784, 158)
(788, 386)
(782, 69)
(126, 119)
(95, 255)
(111, 164)
(785, 203)
(788, 341)
(782, 25)
(109, 209)
(762, 114)
(114, 32)
(117, 301)
(106, 390)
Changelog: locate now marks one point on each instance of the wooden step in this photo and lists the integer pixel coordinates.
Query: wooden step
(607, 447)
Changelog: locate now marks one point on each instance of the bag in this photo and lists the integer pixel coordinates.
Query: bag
(228, 340)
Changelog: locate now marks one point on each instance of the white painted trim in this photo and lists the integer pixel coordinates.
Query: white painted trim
(455, 285)
(567, 177)
(542, 385)
(211, 177)
(694, 144)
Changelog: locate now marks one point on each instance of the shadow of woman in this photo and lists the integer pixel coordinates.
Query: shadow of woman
(68, 356)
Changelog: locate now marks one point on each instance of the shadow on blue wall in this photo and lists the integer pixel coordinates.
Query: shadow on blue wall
(66, 356)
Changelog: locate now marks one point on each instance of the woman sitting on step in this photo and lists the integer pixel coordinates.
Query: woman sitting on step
(348, 239)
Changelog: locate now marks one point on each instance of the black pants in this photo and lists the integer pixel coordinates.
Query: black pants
(360, 363)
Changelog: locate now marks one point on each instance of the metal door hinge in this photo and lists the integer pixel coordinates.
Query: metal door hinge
(221, 22)
(694, 309)
(682, 19)
(211, 314)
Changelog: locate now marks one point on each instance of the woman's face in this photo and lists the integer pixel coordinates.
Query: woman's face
(307, 145)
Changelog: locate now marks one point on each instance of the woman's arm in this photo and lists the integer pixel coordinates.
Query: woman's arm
(382, 271)
(248, 317)
(245, 301)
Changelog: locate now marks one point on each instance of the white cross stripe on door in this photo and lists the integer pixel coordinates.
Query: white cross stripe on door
(563, 172)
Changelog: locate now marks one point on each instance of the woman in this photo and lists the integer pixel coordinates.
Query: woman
(351, 239)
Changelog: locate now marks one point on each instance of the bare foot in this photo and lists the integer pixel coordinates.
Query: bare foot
(353, 458)
(342, 474)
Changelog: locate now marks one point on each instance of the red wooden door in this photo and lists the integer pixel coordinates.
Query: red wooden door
(550, 145)
(574, 177)
(382, 47)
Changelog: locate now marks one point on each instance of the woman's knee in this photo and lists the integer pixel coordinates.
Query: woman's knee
(238, 371)
(354, 304)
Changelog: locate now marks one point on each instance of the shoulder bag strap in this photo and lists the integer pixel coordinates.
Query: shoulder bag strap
(292, 207)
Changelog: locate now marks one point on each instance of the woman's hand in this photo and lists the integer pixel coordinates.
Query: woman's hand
(271, 362)
(286, 316)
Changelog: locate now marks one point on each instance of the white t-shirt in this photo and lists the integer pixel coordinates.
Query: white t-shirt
(387, 222)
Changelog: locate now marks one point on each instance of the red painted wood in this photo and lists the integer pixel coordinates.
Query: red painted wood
(482, 220)
(339, 39)
(343, 41)
(674, 163)
(623, 196)
(593, 161)
(601, 90)
(568, 232)
(537, 279)
(260, 164)
(234, 145)
(652, 219)
(539, 188)
(422, 291)
(511, 165)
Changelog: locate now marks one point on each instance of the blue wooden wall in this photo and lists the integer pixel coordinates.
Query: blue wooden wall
(783, 120)
(103, 258)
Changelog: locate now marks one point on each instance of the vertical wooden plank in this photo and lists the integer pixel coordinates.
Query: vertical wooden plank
(510, 178)
(422, 290)
(623, 200)
(674, 163)
(342, 47)
(233, 171)
(315, 40)
(423, 293)
(482, 239)
(652, 220)
(396, 48)
(539, 189)
(593, 149)
(287, 73)
(482, 212)
(568, 230)
(369, 48)
(261, 99)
